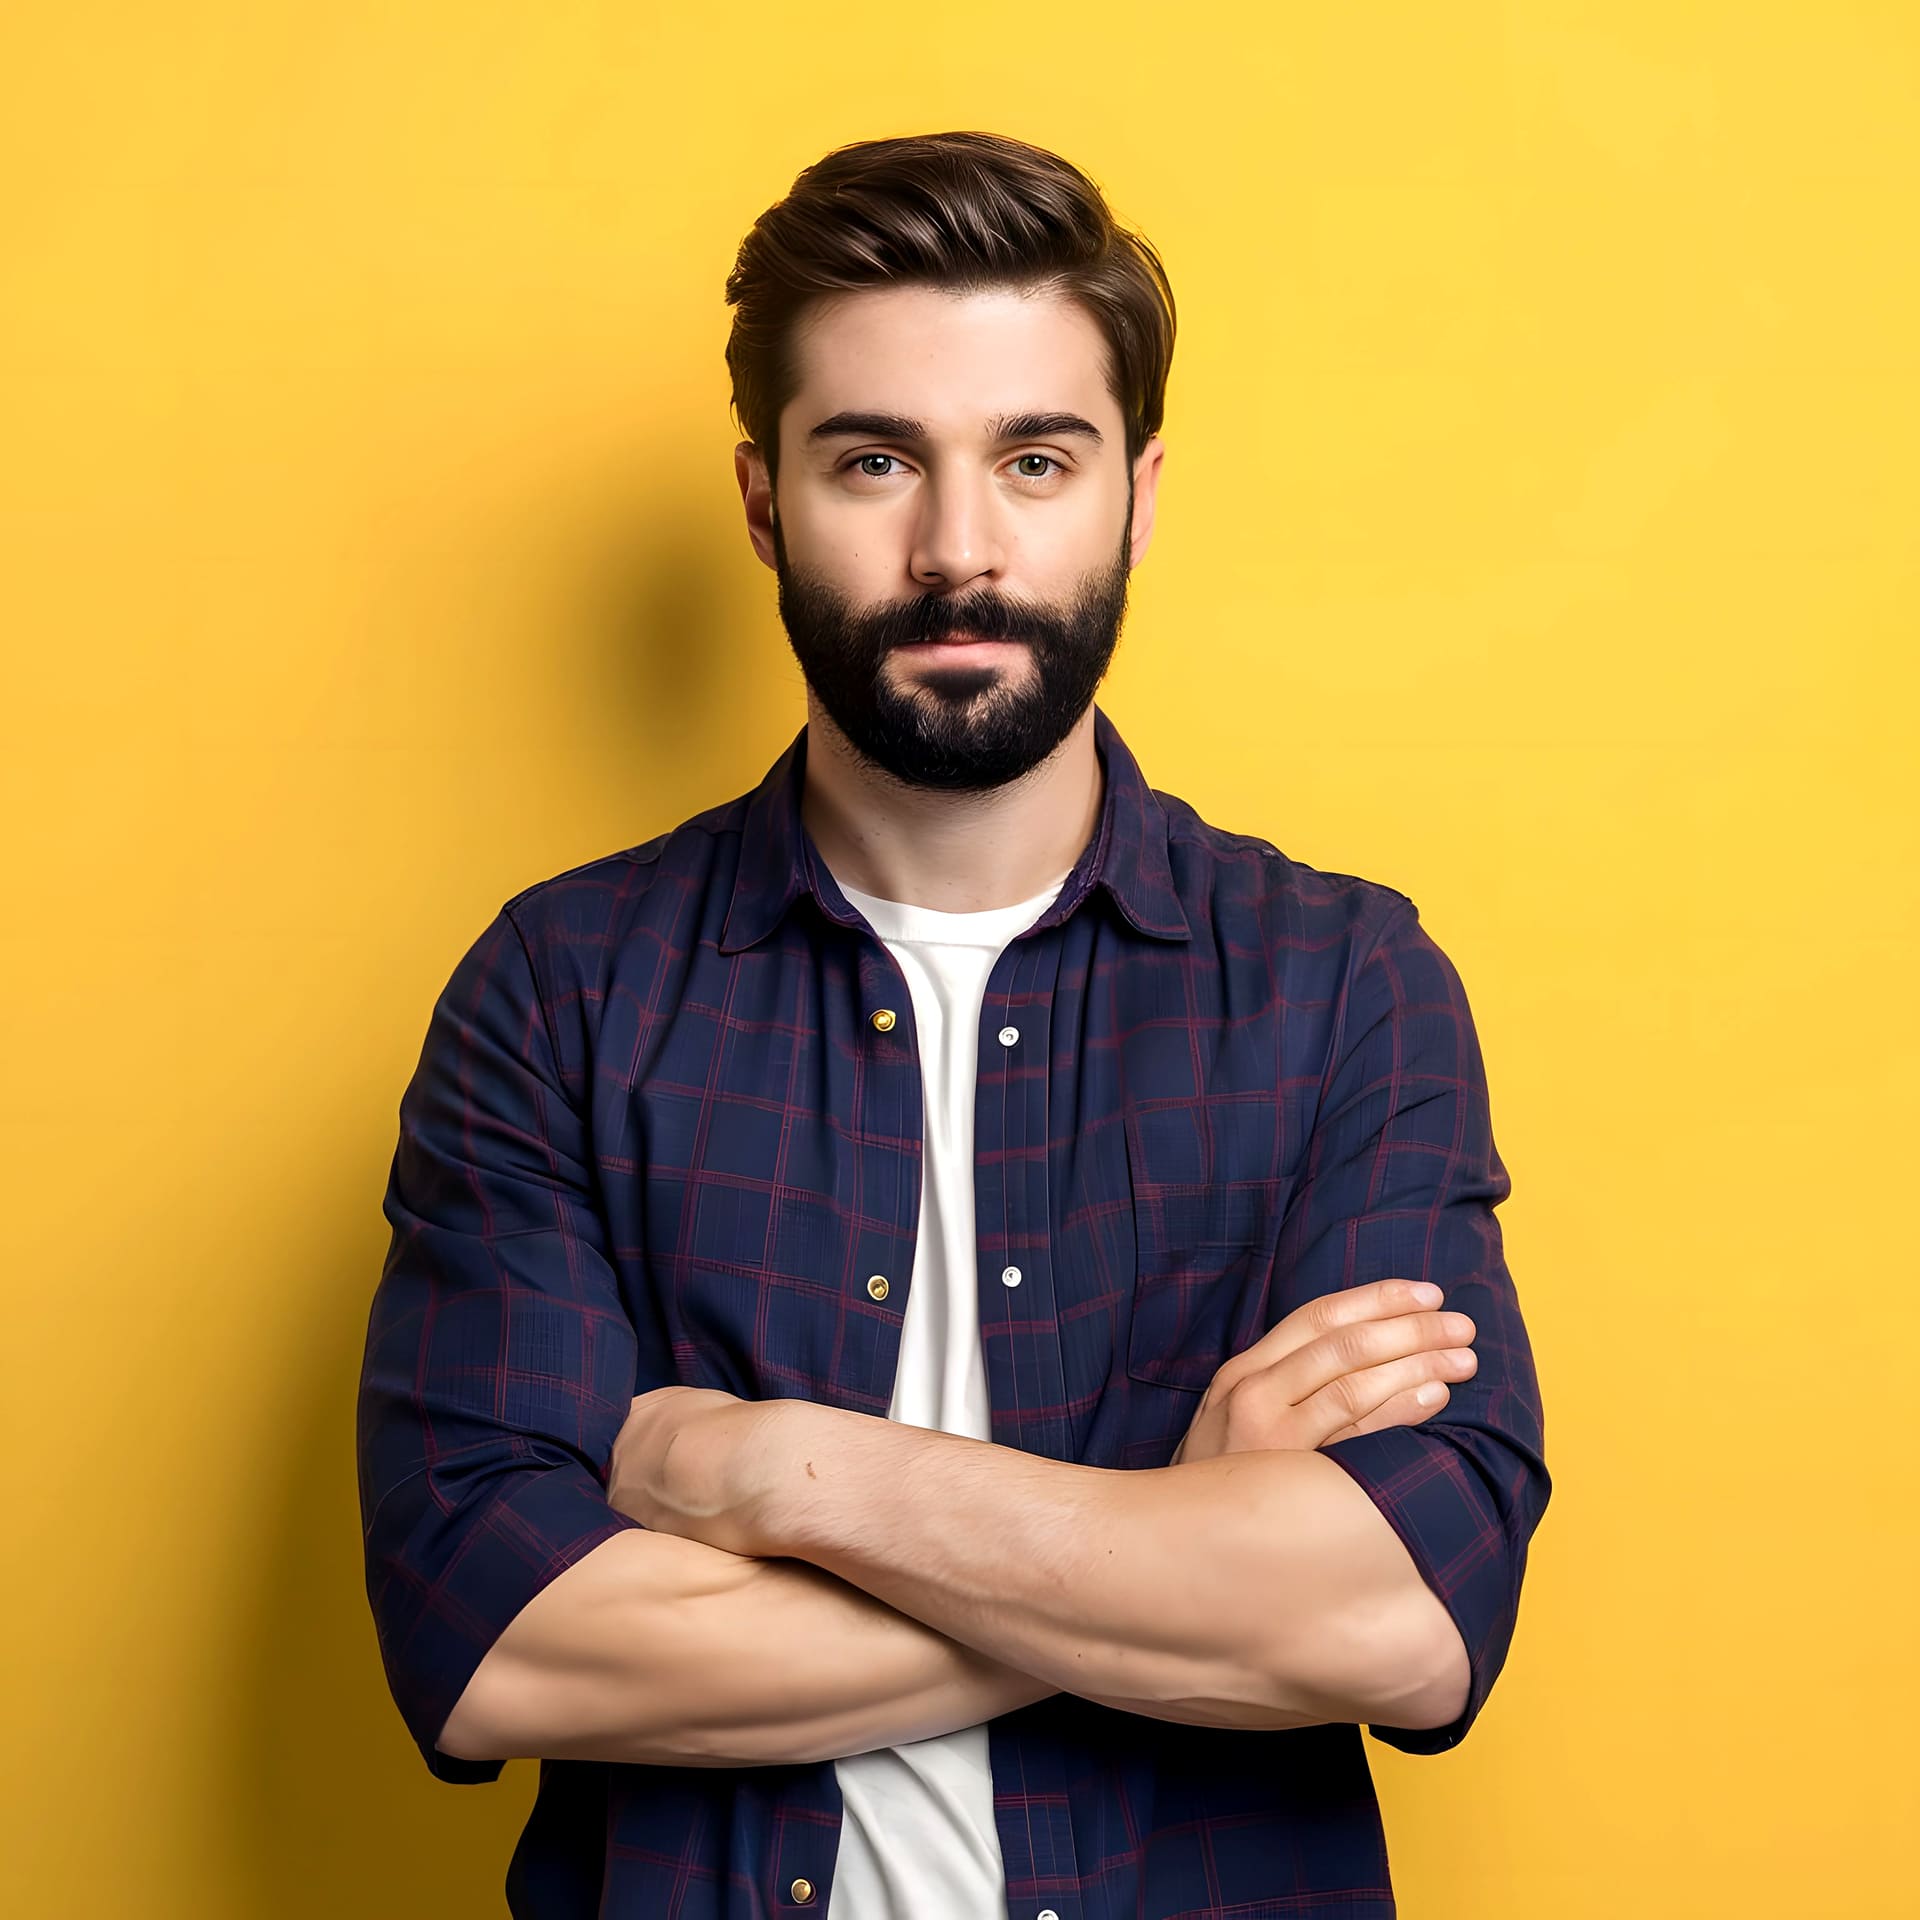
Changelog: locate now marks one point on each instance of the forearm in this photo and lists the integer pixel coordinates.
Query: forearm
(663, 1651)
(1251, 1589)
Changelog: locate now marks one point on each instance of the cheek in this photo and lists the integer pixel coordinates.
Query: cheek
(1077, 537)
(860, 555)
(1060, 570)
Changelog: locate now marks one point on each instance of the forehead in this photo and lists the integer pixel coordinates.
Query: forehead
(952, 359)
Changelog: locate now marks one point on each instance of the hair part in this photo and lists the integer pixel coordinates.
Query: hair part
(962, 211)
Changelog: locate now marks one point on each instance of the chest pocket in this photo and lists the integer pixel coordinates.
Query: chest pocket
(1207, 1208)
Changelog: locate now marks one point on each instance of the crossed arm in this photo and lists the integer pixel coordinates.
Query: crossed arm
(836, 1582)
(916, 1582)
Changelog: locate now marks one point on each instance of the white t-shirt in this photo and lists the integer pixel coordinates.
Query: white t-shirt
(917, 1838)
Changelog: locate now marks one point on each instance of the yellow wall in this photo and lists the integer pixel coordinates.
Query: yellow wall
(1537, 536)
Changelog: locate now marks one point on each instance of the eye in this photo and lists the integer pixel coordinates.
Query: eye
(1046, 460)
(859, 464)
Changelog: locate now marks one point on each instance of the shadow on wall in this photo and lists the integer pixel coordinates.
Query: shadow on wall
(332, 1810)
(684, 634)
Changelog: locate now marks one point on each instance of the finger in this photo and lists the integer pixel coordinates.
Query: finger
(1350, 1306)
(1348, 1351)
(1356, 1398)
(1403, 1410)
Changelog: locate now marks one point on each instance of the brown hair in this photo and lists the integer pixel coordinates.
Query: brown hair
(957, 210)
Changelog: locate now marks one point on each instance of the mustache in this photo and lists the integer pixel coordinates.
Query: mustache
(981, 616)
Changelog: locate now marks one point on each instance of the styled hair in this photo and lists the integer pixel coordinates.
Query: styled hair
(964, 211)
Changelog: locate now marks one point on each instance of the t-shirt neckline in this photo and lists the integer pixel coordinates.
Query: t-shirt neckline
(985, 926)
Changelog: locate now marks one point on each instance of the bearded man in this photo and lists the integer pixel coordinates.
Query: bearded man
(946, 1342)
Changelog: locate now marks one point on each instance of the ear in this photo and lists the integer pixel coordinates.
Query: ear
(1146, 482)
(756, 495)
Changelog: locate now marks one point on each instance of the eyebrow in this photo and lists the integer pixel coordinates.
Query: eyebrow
(1007, 426)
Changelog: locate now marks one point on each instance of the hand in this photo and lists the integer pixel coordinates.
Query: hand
(1346, 1363)
(698, 1462)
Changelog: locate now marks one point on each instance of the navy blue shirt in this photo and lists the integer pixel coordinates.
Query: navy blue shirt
(655, 1136)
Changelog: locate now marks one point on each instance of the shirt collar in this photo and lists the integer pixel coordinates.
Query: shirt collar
(1127, 854)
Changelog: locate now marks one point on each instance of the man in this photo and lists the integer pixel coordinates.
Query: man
(912, 1369)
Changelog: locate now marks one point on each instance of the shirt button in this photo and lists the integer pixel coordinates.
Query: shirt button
(882, 1020)
(1008, 1035)
(1046, 1913)
(877, 1286)
(1010, 1276)
(802, 1890)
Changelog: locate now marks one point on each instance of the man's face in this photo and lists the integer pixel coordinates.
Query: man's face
(955, 526)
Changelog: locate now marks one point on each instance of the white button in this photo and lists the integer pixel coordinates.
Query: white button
(1046, 1913)
(1008, 1035)
(1010, 1275)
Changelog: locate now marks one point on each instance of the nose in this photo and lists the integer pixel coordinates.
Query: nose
(957, 536)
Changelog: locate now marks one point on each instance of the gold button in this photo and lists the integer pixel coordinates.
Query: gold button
(883, 1020)
(802, 1890)
(877, 1286)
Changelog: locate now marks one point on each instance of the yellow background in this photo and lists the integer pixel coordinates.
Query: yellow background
(1537, 536)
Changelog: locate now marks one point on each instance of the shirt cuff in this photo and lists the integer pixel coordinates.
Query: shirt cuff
(1434, 1495)
(455, 1580)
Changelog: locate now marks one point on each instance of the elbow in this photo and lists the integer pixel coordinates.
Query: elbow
(1431, 1680)
(1410, 1668)
(1439, 1682)
(473, 1730)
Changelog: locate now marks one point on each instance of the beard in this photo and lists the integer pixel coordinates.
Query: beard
(961, 728)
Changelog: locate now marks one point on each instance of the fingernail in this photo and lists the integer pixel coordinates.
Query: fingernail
(1428, 1294)
(1429, 1395)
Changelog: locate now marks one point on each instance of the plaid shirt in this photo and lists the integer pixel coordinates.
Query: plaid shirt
(656, 1136)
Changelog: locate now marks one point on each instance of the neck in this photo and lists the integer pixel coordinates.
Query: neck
(954, 852)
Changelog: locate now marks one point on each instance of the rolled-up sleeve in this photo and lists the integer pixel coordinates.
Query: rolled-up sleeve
(499, 1359)
(1402, 1179)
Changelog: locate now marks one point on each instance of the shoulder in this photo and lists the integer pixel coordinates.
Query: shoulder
(1230, 877)
(626, 923)
(601, 903)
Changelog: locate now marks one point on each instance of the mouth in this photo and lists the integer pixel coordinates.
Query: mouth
(962, 640)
